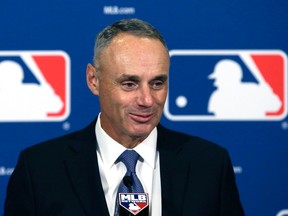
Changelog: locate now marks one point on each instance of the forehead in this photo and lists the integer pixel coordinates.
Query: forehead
(130, 49)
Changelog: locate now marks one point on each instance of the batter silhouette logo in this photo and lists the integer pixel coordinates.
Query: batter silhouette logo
(34, 86)
(213, 85)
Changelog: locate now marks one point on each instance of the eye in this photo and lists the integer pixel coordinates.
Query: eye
(129, 85)
(157, 84)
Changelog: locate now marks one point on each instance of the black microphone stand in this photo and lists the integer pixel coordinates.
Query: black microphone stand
(127, 180)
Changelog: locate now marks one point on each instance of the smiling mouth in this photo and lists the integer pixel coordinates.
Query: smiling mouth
(142, 118)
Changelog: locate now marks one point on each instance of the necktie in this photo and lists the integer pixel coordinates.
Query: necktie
(129, 158)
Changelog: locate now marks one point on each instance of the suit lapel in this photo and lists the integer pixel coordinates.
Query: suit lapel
(82, 168)
(174, 172)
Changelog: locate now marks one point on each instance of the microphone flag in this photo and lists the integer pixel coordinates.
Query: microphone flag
(133, 203)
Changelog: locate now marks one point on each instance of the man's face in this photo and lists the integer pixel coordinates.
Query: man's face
(132, 86)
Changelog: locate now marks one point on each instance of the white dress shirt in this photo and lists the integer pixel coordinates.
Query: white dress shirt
(147, 168)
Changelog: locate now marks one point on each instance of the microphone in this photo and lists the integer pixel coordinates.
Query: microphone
(127, 180)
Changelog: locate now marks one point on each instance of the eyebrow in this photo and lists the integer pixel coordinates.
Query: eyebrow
(162, 77)
(136, 78)
(128, 77)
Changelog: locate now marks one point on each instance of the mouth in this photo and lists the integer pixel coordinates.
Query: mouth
(141, 118)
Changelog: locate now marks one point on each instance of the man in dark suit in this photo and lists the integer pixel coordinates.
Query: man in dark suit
(80, 173)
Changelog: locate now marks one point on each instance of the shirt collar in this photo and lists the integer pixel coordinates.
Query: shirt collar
(109, 150)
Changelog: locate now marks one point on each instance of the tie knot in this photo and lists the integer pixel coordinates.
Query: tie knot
(129, 158)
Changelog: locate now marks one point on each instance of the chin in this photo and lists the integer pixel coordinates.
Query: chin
(142, 131)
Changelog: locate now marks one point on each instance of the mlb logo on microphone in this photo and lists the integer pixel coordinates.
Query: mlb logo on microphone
(133, 202)
(229, 85)
(34, 86)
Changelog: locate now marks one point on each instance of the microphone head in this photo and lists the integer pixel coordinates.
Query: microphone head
(127, 180)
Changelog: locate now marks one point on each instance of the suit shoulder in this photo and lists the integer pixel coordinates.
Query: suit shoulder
(74, 140)
(53, 143)
(188, 143)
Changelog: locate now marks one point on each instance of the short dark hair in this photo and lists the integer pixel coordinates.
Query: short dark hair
(135, 27)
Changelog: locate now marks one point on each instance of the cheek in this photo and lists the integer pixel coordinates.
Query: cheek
(114, 101)
(160, 97)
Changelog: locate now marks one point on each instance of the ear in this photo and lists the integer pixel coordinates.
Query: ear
(92, 80)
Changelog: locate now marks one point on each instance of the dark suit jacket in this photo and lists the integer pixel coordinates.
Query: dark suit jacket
(61, 177)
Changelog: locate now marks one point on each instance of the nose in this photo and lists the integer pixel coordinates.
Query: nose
(145, 96)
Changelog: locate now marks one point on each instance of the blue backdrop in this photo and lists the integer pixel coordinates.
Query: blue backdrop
(58, 37)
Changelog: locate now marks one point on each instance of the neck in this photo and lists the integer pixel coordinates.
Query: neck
(130, 142)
